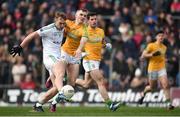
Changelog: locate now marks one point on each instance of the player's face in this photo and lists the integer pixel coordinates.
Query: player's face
(160, 37)
(81, 16)
(93, 21)
(60, 23)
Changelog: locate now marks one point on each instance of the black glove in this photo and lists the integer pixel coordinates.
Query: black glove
(157, 53)
(17, 49)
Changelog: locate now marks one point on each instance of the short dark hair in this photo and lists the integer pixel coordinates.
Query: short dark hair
(91, 14)
(60, 14)
(159, 32)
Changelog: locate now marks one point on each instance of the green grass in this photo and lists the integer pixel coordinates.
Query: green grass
(90, 111)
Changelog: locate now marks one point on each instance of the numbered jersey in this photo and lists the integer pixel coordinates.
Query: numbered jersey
(94, 44)
(51, 42)
(51, 39)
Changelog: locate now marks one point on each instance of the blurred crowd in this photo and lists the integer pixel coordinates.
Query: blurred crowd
(129, 25)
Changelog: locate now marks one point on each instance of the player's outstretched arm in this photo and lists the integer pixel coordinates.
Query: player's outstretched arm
(31, 36)
(17, 49)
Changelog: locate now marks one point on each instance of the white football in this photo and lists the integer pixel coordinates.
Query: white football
(68, 91)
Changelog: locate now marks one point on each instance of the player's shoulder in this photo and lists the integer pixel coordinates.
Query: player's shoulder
(151, 44)
(69, 22)
(48, 27)
(164, 46)
(100, 29)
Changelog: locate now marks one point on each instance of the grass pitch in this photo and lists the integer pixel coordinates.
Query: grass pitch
(90, 111)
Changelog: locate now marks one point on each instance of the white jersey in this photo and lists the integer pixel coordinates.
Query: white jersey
(51, 42)
(51, 39)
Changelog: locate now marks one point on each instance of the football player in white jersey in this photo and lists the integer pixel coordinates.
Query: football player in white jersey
(52, 37)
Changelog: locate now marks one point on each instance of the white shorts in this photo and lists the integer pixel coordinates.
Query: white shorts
(49, 61)
(68, 58)
(154, 75)
(90, 65)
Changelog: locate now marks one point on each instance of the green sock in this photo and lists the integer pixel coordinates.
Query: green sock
(108, 102)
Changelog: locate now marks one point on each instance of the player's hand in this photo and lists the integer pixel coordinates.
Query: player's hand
(78, 54)
(108, 46)
(157, 53)
(17, 49)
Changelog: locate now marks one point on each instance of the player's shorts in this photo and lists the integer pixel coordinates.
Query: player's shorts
(49, 61)
(65, 57)
(154, 75)
(90, 65)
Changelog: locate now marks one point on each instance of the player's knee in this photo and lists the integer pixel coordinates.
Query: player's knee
(100, 80)
(60, 75)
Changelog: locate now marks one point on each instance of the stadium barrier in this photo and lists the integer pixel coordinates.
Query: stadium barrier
(92, 97)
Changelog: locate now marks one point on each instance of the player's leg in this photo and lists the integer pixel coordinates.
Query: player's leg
(166, 88)
(46, 97)
(99, 79)
(49, 62)
(87, 79)
(85, 83)
(59, 72)
(48, 83)
(148, 88)
(72, 73)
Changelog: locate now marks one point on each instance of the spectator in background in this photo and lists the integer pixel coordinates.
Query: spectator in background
(34, 67)
(5, 66)
(150, 20)
(115, 85)
(116, 20)
(119, 64)
(18, 70)
(137, 18)
(161, 20)
(28, 82)
(121, 68)
(175, 6)
(131, 66)
(138, 82)
(126, 16)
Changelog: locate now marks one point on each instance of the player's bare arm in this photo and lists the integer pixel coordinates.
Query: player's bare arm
(17, 49)
(31, 36)
(81, 46)
(145, 54)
